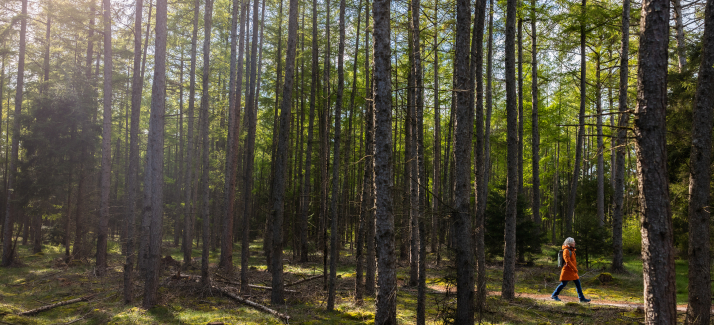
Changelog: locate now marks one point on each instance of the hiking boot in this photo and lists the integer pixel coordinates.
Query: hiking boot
(584, 300)
(556, 298)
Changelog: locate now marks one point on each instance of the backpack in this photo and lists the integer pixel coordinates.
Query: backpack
(561, 260)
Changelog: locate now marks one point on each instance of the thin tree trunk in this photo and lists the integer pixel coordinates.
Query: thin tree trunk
(650, 136)
(386, 303)
(679, 29)
(235, 87)
(619, 194)
(581, 132)
(370, 269)
(509, 254)
(336, 159)
(250, 116)
(268, 233)
(359, 286)
(535, 131)
(489, 109)
(436, 184)
(7, 248)
(600, 148)
(367, 204)
(698, 310)
(154, 172)
(188, 199)
(520, 102)
(106, 172)
(281, 156)
(463, 130)
(205, 124)
(305, 195)
(479, 192)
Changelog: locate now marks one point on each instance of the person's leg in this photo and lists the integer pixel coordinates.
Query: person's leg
(559, 288)
(580, 290)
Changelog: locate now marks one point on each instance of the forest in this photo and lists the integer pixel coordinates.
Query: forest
(356, 162)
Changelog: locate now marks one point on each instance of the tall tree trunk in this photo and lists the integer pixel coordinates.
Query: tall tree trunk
(619, 194)
(188, 220)
(650, 131)
(281, 156)
(359, 286)
(205, 124)
(581, 132)
(436, 184)
(535, 131)
(250, 116)
(700, 294)
(489, 109)
(367, 204)
(479, 221)
(154, 172)
(463, 130)
(415, 90)
(106, 172)
(600, 147)
(235, 87)
(679, 29)
(305, 195)
(384, 238)
(520, 102)
(370, 269)
(7, 248)
(324, 147)
(336, 159)
(509, 254)
(268, 233)
(46, 61)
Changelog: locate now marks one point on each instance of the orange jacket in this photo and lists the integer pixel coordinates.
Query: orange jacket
(569, 272)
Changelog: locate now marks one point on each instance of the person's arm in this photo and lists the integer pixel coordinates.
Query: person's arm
(567, 256)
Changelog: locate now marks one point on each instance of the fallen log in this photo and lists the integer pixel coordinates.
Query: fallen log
(304, 280)
(269, 288)
(283, 317)
(48, 307)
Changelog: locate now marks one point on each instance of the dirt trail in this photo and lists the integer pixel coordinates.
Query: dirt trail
(567, 299)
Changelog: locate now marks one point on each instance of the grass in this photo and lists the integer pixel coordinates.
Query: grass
(37, 282)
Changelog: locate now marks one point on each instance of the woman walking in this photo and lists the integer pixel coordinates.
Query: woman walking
(569, 272)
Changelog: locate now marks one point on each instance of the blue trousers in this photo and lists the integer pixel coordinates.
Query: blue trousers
(564, 283)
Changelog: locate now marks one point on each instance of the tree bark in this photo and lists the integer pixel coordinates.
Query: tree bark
(250, 117)
(600, 148)
(649, 130)
(7, 248)
(154, 172)
(520, 102)
(619, 194)
(489, 108)
(370, 269)
(512, 181)
(581, 132)
(436, 184)
(479, 192)
(336, 159)
(205, 124)
(386, 304)
(305, 195)
(234, 105)
(463, 130)
(188, 199)
(137, 85)
(535, 131)
(679, 29)
(105, 176)
(698, 310)
(281, 156)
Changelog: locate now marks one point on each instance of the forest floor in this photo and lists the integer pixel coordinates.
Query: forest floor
(40, 279)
